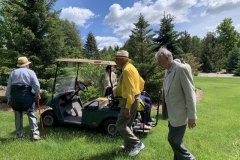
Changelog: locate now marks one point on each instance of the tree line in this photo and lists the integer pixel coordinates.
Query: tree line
(32, 28)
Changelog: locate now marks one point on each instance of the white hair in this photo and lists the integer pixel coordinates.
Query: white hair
(163, 52)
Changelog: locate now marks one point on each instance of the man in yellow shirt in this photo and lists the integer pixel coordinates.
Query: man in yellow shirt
(129, 88)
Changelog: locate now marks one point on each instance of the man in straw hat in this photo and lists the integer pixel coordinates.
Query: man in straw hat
(22, 89)
(129, 88)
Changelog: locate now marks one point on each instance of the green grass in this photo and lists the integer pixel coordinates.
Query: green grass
(216, 136)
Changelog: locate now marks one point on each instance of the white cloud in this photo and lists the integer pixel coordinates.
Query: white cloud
(210, 28)
(122, 19)
(238, 26)
(218, 6)
(77, 15)
(107, 41)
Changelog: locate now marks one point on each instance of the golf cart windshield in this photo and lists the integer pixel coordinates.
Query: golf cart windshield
(87, 71)
(64, 84)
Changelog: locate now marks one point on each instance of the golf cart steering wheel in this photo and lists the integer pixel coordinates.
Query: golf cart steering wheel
(81, 86)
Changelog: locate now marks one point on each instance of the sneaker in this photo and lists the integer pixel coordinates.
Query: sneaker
(138, 147)
(36, 137)
(145, 126)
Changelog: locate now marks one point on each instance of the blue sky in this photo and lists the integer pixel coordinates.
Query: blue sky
(111, 21)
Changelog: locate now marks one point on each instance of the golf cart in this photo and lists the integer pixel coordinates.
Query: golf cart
(66, 106)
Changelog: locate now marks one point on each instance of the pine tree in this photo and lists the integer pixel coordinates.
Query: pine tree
(140, 47)
(90, 46)
(167, 37)
(72, 40)
(195, 49)
(30, 29)
(237, 70)
(185, 42)
(211, 56)
(232, 60)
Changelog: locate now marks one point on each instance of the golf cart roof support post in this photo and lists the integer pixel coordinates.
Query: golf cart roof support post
(110, 77)
(54, 82)
(158, 105)
(78, 64)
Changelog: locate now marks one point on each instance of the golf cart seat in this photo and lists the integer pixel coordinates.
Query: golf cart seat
(73, 108)
(96, 103)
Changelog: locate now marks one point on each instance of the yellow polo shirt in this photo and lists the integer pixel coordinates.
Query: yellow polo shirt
(130, 84)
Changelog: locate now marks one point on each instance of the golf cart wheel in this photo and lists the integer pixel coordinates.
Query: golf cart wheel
(49, 118)
(110, 127)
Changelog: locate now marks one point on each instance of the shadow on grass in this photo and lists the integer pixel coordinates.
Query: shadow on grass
(7, 140)
(71, 131)
(109, 155)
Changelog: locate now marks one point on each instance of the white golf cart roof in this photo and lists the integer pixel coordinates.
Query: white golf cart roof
(90, 61)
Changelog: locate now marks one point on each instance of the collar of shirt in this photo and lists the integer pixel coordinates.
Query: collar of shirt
(170, 69)
(125, 66)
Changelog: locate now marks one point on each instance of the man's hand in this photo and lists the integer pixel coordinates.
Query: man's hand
(38, 97)
(191, 123)
(126, 113)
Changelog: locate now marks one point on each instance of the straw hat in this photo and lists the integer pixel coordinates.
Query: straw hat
(23, 61)
(122, 54)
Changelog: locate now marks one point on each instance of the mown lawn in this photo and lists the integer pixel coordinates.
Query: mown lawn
(217, 136)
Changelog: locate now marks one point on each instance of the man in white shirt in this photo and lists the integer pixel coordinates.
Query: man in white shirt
(22, 90)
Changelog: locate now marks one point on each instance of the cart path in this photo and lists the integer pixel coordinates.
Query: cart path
(216, 75)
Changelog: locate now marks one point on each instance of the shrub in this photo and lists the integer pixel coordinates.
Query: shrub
(90, 94)
(45, 95)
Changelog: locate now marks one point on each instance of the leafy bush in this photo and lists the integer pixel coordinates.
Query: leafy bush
(153, 85)
(46, 84)
(4, 73)
(90, 94)
(45, 95)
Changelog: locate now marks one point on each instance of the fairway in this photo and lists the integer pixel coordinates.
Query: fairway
(216, 136)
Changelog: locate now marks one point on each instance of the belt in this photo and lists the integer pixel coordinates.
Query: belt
(20, 86)
(136, 96)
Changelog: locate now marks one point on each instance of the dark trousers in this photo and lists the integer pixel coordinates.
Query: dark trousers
(175, 139)
(146, 114)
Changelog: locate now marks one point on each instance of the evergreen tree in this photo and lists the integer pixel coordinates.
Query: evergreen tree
(195, 48)
(167, 36)
(211, 56)
(90, 46)
(107, 53)
(30, 29)
(237, 70)
(185, 42)
(140, 47)
(207, 51)
(142, 38)
(232, 60)
(72, 40)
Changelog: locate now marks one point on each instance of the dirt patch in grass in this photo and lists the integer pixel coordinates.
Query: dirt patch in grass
(5, 107)
(199, 95)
